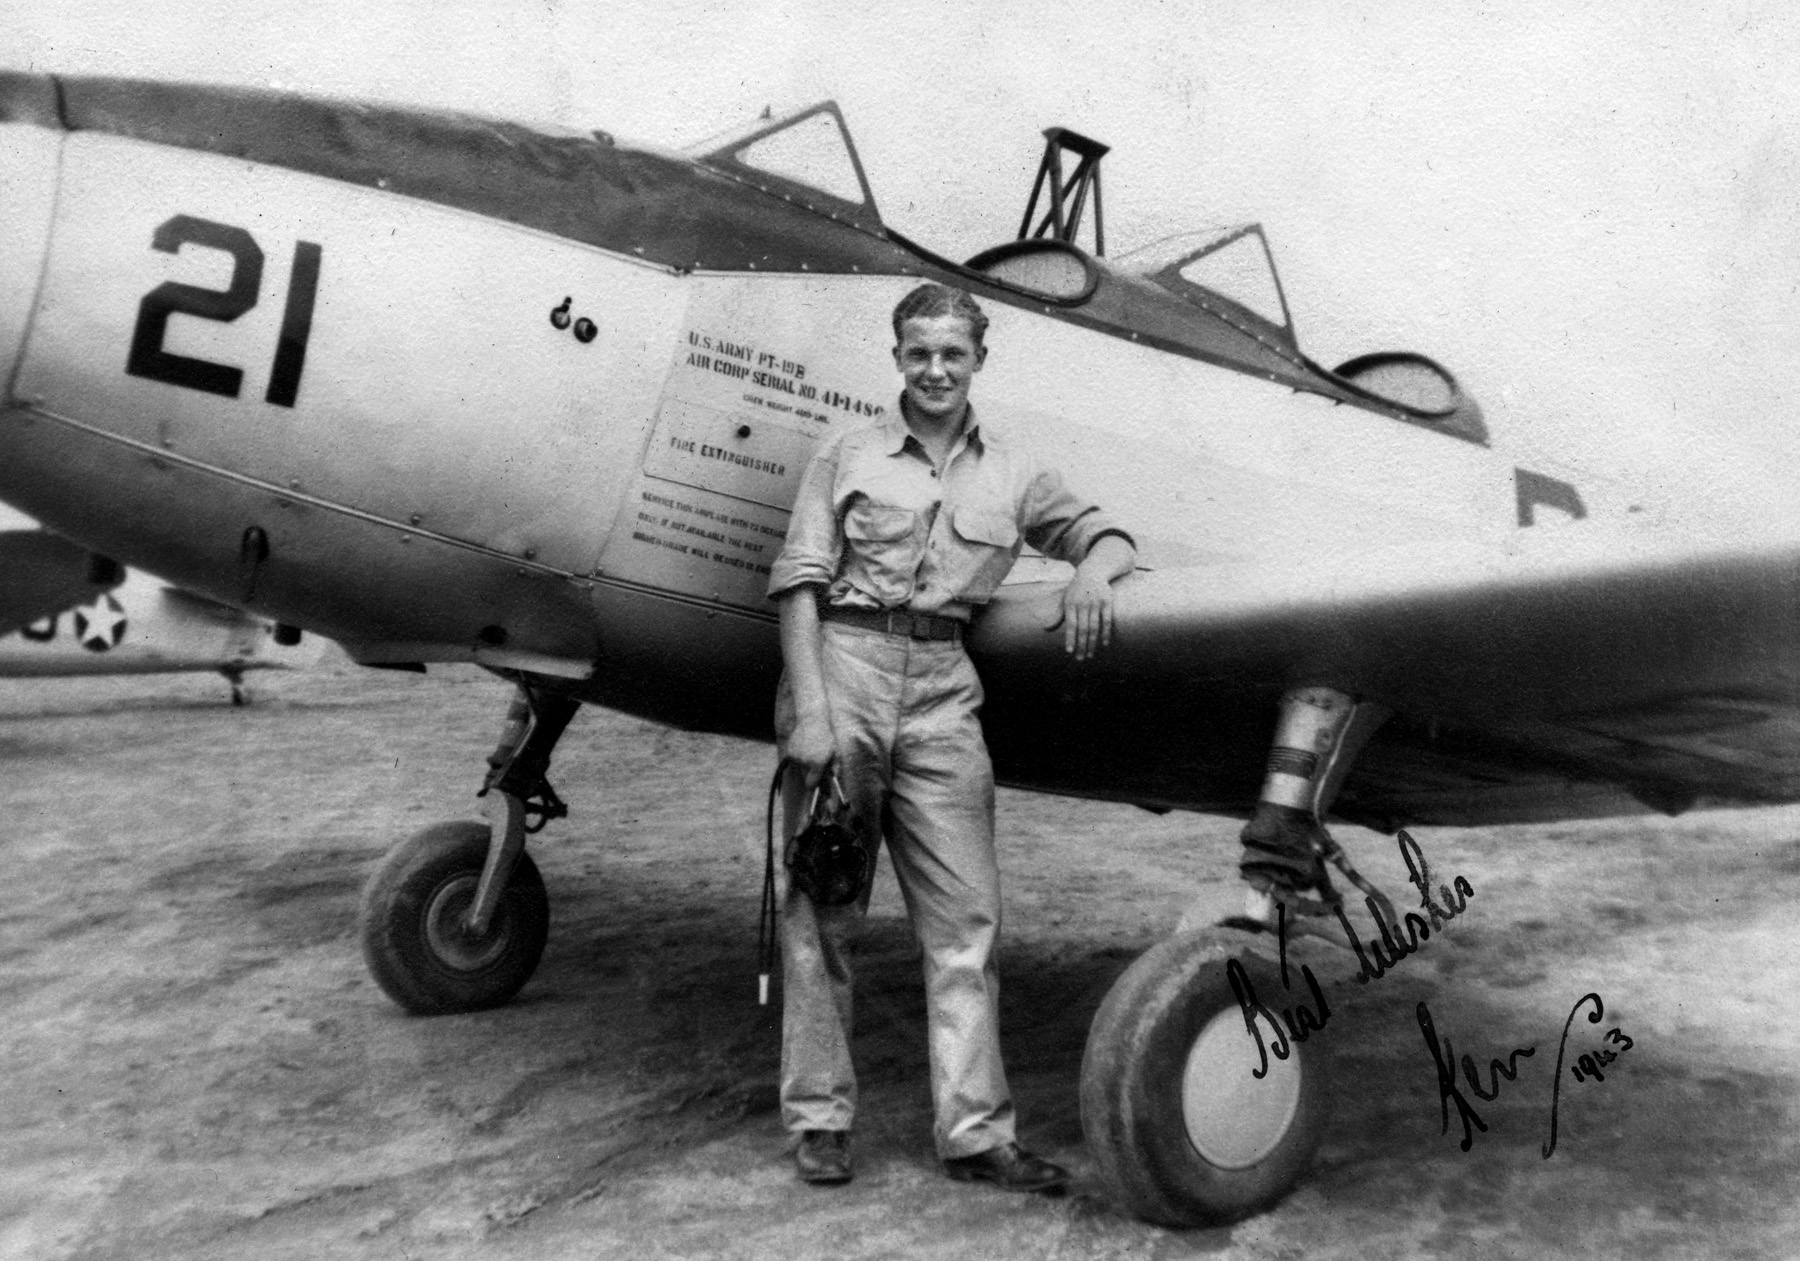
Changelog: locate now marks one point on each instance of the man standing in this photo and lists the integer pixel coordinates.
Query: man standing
(901, 531)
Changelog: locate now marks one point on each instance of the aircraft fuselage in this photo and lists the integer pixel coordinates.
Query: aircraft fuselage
(445, 389)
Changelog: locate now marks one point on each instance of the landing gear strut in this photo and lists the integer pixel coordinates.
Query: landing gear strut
(1204, 1090)
(234, 675)
(456, 917)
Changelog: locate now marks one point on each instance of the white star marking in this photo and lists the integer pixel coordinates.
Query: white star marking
(101, 625)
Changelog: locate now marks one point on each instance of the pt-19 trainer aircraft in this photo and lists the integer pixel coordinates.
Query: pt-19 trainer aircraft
(446, 388)
(67, 611)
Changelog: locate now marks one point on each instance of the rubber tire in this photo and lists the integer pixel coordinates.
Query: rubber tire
(1132, 1080)
(445, 860)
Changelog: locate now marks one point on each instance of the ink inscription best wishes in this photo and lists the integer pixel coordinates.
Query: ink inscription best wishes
(1396, 938)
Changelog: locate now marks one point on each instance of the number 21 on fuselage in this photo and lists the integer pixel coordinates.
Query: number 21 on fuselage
(148, 356)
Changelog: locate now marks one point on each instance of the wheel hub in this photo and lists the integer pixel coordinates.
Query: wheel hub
(1234, 1119)
(447, 932)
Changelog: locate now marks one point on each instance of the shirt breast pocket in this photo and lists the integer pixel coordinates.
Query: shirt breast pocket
(883, 549)
(988, 543)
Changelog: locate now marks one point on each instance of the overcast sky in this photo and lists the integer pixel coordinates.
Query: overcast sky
(1586, 211)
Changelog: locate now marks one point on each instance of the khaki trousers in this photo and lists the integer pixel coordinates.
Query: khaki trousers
(912, 761)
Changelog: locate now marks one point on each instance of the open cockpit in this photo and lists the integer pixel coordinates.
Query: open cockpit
(1213, 294)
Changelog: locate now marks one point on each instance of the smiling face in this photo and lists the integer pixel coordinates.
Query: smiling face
(938, 356)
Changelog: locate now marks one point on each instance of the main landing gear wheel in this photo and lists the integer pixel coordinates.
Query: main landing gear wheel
(1182, 1132)
(415, 936)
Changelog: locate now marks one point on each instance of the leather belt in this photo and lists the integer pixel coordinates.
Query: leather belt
(896, 622)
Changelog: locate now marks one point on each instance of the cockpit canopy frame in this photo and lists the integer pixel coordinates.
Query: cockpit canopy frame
(730, 154)
(1169, 262)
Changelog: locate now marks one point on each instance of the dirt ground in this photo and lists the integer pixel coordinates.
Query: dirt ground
(195, 1064)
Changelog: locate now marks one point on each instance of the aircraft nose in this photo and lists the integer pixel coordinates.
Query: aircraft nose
(31, 137)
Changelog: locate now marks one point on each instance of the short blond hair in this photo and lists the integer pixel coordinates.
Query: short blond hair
(929, 301)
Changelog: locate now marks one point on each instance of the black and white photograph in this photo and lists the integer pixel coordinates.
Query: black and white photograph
(786, 630)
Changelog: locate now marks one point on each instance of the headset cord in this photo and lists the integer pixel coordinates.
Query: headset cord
(766, 920)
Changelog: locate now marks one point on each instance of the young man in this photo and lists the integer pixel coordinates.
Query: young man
(901, 531)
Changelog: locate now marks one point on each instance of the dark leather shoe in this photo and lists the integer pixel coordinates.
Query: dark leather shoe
(823, 1157)
(1011, 1168)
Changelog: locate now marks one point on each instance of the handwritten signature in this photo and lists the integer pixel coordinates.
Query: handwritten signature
(1397, 938)
(1586, 1068)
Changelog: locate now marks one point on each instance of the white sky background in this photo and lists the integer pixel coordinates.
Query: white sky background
(1589, 212)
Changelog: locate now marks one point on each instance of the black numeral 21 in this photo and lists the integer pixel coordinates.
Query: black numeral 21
(149, 359)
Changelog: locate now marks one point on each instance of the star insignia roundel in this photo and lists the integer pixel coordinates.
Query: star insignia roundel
(101, 625)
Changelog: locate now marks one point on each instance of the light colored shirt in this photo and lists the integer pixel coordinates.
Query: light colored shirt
(876, 525)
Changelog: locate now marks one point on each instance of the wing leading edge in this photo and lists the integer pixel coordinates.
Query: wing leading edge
(41, 574)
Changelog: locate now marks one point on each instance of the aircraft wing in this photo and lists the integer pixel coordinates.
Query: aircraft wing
(42, 574)
(1566, 675)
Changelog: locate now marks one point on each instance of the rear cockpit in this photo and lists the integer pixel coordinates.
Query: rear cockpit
(1212, 293)
(1228, 270)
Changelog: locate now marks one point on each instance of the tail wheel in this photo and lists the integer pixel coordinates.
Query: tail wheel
(1182, 1131)
(414, 937)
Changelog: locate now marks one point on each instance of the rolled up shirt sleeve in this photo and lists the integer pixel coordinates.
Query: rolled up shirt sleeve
(815, 537)
(1060, 523)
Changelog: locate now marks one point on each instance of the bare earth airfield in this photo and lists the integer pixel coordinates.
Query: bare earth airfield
(197, 1066)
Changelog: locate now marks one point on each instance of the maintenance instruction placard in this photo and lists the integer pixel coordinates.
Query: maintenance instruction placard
(762, 371)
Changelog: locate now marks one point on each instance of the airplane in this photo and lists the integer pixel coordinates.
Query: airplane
(447, 388)
(67, 611)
